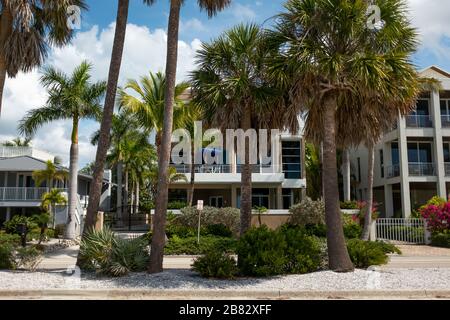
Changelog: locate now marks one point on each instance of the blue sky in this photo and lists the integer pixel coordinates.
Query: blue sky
(145, 51)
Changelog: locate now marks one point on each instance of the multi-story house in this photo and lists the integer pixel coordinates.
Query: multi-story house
(275, 187)
(412, 162)
(20, 195)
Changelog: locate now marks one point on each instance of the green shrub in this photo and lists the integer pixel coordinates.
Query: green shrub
(349, 205)
(318, 230)
(7, 256)
(229, 217)
(9, 238)
(176, 205)
(216, 264)
(441, 239)
(308, 212)
(366, 253)
(352, 229)
(11, 225)
(180, 231)
(189, 246)
(28, 258)
(219, 230)
(103, 252)
(303, 252)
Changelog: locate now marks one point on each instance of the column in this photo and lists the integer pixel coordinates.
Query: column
(233, 196)
(8, 214)
(346, 174)
(404, 171)
(388, 201)
(279, 198)
(438, 144)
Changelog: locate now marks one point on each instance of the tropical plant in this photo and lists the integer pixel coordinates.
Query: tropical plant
(42, 221)
(216, 264)
(260, 211)
(49, 175)
(313, 171)
(232, 87)
(307, 212)
(17, 142)
(211, 7)
(27, 30)
(49, 202)
(11, 225)
(341, 73)
(72, 97)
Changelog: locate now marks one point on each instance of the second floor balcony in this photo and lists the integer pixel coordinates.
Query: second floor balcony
(419, 121)
(415, 169)
(23, 194)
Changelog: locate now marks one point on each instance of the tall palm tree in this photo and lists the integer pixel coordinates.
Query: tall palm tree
(108, 111)
(49, 175)
(158, 239)
(231, 85)
(145, 100)
(72, 97)
(27, 30)
(336, 68)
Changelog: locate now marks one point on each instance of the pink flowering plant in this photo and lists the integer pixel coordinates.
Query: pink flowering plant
(437, 216)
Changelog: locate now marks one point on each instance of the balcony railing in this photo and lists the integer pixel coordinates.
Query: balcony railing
(421, 169)
(445, 121)
(419, 121)
(23, 194)
(393, 171)
(226, 168)
(447, 168)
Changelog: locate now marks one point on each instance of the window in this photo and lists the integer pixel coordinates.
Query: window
(216, 201)
(260, 198)
(288, 197)
(446, 151)
(422, 108)
(395, 154)
(382, 163)
(291, 154)
(419, 152)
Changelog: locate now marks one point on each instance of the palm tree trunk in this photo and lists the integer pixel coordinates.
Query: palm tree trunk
(158, 239)
(246, 180)
(339, 259)
(6, 22)
(125, 196)
(119, 189)
(369, 203)
(108, 110)
(346, 174)
(73, 183)
(192, 180)
(138, 189)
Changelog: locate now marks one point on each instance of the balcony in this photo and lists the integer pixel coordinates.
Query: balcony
(419, 121)
(421, 169)
(447, 169)
(393, 171)
(225, 168)
(445, 121)
(23, 194)
(10, 152)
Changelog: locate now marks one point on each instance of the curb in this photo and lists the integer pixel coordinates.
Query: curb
(131, 294)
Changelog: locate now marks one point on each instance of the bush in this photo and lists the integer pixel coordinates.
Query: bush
(441, 239)
(219, 230)
(180, 231)
(7, 256)
(229, 217)
(352, 229)
(11, 225)
(189, 246)
(103, 252)
(366, 253)
(9, 238)
(308, 212)
(437, 215)
(216, 264)
(349, 205)
(176, 205)
(28, 258)
(263, 252)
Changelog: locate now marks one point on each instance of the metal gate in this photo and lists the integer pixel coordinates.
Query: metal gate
(401, 230)
(128, 219)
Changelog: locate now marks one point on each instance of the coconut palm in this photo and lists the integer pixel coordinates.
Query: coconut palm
(17, 142)
(340, 72)
(232, 87)
(158, 239)
(72, 97)
(49, 202)
(108, 111)
(49, 175)
(28, 28)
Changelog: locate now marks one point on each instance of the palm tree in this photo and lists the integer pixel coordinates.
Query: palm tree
(232, 87)
(49, 175)
(108, 111)
(27, 30)
(158, 239)
(70, 97)
(151, 177)
(337, 69)
(49, 202)
(17, 142)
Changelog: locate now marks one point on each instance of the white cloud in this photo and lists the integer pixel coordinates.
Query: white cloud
(145, 51)
(190, 25)
(242, 12)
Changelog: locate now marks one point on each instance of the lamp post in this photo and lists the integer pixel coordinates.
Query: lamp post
(199, 209)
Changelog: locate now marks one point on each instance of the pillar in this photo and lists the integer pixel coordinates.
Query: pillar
(404, 169)
(388, 201)
(346, 174)
(279, 198)
(233, 196)
(438, 144)
(8, 213)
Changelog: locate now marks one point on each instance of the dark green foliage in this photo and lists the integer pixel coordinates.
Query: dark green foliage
(264, 252)
(9, 238)
(11, 225)
(367, 253)
(190, 246)
(7, 256)
(216, 264)
(28, 258)
(219, 230)
(176, 205)
(441, 239)
(349, 205)
(352, 231)
(180, 231)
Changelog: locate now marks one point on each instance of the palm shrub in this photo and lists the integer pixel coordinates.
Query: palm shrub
(303, 252)
(216, 264)
(366, 253)
(6, 256)
(441, 239)
(11, 225)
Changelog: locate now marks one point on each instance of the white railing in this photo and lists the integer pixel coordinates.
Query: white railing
(421, 169)
(419, 121)
(8, 152)
(393, 171)
(226, 168)
(401, 230)
(22, 194)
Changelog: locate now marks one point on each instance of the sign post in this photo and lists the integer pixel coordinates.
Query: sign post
(199, 209)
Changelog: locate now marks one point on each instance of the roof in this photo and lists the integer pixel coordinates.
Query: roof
(433, 70)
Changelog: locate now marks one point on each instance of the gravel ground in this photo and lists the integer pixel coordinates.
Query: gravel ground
(398, 279)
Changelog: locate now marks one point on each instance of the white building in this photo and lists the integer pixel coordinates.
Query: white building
(412, 162)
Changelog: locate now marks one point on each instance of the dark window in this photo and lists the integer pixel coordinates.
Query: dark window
(291, 154)
(382, 163)
(422, 108)
(359, 169)
(446, 152)
(419, 152)
(395, 155)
